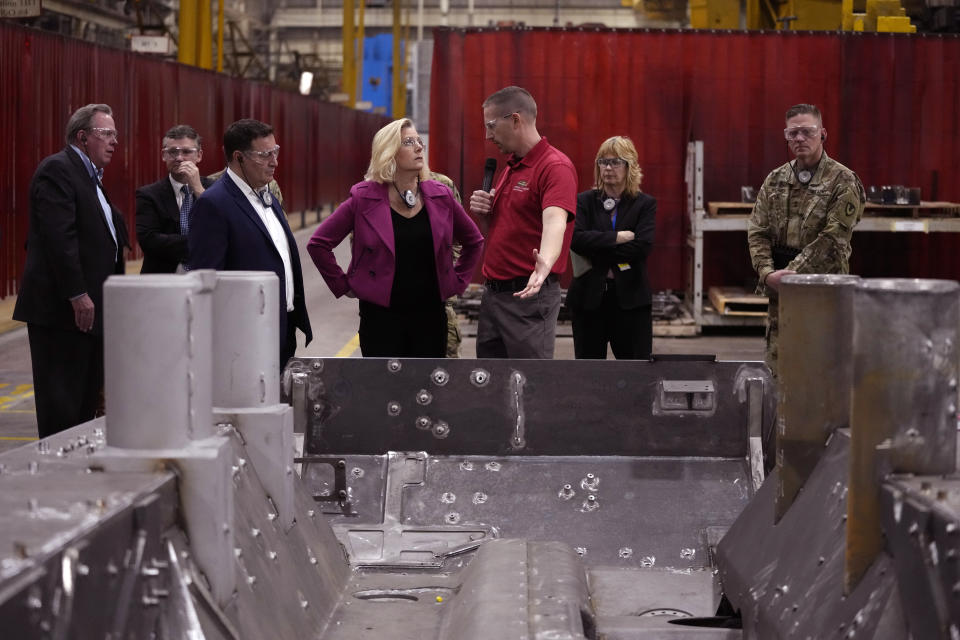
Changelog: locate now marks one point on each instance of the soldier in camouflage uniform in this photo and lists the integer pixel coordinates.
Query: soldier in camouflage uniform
(454, 337)
(804, 216)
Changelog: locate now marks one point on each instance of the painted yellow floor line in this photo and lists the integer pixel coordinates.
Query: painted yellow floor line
(27, 438)
(347, 350)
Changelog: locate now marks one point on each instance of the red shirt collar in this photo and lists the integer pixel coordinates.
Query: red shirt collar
(532, 156)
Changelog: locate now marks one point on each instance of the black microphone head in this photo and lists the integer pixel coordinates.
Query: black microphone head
(489, 168)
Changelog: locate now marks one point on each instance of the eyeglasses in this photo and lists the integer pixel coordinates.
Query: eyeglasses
(492, 124)
(106, 134)
(409, 142)
(611, 162)
(264, 156)
(176, 152)
(795, 132)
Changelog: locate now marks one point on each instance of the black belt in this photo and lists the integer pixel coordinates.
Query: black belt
(514, 284)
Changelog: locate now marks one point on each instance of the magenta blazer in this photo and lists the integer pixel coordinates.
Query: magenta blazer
(367, 213)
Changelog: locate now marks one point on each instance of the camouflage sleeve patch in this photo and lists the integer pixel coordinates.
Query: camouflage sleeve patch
(850, 210)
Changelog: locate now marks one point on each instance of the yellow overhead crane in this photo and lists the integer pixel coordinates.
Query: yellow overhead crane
(816, 15)
(353, 35)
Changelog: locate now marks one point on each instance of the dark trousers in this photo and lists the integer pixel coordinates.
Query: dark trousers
(288, 346)
(628, 331)
(67, 377)
(511, 327)
(414, 333)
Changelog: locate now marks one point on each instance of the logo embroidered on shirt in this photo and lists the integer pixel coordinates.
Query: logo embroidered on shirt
(521, 186)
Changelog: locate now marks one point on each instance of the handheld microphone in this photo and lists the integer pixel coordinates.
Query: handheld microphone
(489, 168)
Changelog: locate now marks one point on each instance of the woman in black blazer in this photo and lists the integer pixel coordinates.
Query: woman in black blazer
(609, 297)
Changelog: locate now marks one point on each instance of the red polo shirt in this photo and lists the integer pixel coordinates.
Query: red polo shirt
(543, 178)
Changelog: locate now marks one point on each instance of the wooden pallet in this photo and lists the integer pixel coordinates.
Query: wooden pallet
(737, 301)
(681, 327)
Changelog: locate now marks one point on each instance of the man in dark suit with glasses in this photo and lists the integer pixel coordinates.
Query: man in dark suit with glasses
(237, 225)
(75, 242)
(164, 207)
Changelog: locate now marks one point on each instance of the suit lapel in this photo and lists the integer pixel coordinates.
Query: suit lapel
(244, 205)
(435, 212)
(168, 200)
(376, 210)
(90, 188)
(626, 214)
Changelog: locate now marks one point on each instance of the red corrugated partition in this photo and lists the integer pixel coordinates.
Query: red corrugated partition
(325, 148)
(891, 106)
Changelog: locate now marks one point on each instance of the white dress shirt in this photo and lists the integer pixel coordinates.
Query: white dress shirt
(274, 228)
(178, 190)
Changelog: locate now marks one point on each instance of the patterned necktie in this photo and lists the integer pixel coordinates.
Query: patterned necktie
(185, 210)
(264, 196)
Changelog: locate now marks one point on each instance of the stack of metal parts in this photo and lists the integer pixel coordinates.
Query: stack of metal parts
(855, 534)
(667, 305)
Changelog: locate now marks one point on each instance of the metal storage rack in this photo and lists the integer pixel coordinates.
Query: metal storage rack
(701, 222)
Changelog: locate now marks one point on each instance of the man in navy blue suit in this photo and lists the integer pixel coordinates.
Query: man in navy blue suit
(238, 226)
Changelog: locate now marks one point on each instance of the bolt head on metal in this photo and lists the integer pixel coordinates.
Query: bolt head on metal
(441, 429)
(440, 377)
(479, 377)
(393, 408)
(424, 397)
(394, 366)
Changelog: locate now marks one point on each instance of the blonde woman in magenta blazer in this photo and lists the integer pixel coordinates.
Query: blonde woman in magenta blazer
(402, 269)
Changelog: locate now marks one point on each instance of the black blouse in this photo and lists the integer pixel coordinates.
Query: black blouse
(415, 285)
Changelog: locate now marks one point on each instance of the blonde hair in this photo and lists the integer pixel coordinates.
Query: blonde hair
(621, 147)
(383, 156)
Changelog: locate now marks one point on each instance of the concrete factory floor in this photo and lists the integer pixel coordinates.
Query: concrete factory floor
(334, 326)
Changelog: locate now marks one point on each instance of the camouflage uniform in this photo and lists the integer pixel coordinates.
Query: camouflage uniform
(817, 220)
(454, 337)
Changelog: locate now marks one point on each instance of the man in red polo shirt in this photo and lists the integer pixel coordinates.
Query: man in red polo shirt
(532, 209)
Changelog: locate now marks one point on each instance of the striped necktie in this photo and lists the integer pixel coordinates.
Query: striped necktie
(185, 210)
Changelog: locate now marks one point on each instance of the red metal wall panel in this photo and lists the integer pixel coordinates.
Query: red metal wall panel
(891, 106)
(44, 78)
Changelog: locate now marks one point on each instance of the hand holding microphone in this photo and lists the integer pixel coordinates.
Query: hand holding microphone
(481, 201)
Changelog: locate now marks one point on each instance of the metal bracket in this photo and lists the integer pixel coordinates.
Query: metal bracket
(340, 494)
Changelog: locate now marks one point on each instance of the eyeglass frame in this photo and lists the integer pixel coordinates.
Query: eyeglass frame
(612, 162)
(492, 124)
(409, 141)
(798, 131)
(176, 152)
(263, 156)
(105, 134)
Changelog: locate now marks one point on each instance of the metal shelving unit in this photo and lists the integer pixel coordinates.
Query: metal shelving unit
(701, 222)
